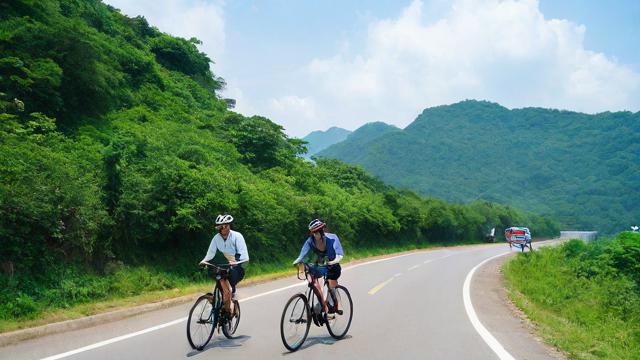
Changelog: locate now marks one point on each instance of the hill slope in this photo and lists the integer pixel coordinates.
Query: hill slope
(584, 169)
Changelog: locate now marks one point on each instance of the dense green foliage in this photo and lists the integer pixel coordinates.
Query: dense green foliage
(585, 297)
(320, 140)
(116, 154)
(582, 169)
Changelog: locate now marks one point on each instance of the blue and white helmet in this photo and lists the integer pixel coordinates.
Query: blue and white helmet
(315, 225)
(224, 219)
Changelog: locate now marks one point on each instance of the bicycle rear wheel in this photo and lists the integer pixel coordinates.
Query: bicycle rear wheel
(295, 322)
(338, 324)
(201, 324)
(231, 325)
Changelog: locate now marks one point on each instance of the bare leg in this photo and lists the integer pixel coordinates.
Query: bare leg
(226, 294)
(332, 286)
(318, 291)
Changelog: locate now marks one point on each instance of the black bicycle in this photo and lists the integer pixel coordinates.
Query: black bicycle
(208, 314)
(302, 309)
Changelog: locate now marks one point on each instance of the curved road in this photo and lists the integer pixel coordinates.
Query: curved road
(405, 307)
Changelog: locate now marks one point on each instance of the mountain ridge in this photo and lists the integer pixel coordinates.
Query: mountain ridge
(460, 152)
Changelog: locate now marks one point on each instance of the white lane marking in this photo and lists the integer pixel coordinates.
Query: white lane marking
(158, 327)
(397, 275)
(414, 267)
(471, 313)
(427, 261)
(377, 288)
(116, 339)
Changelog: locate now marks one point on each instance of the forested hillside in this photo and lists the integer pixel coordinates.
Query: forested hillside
(116, 154)
(582, 169)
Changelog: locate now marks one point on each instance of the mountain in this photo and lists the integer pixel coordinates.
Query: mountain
(583, 169)
(359, 138)
(320, 140)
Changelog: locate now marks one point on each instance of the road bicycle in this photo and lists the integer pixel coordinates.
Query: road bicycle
(302, 309)
(208, 314)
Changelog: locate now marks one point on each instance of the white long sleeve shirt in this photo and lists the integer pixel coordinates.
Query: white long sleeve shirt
(234, 246)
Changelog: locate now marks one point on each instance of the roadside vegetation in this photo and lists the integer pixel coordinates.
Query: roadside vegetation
(583, 297)
(117, 152)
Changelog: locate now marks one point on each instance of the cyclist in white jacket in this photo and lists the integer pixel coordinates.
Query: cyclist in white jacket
(234, 252)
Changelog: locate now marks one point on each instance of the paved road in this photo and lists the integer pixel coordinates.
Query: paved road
(418, 313)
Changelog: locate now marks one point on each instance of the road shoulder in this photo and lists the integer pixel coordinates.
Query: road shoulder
(502, 318)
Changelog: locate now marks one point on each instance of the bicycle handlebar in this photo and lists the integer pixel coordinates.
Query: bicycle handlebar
(306, 270)
(224, 269)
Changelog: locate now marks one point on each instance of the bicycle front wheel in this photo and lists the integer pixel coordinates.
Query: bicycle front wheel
(200, 325)
(339, 318)
(295, 322)
(230, 326)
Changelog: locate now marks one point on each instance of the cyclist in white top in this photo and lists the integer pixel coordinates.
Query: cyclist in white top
(233, 250)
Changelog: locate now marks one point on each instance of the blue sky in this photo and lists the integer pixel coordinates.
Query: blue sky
(309, 65)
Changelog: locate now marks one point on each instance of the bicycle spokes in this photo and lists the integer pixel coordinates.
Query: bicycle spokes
(294, 324)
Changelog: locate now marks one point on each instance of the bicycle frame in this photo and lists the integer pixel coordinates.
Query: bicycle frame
(312, 290)
(221, 273)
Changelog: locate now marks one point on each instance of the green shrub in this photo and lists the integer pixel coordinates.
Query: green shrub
(584, 296)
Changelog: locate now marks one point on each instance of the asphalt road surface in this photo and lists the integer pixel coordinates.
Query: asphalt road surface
(406, 307)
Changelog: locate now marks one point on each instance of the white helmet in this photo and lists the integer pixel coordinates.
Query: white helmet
(316, 224)
(224, 219)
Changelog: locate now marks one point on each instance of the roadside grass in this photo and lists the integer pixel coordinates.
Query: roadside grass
(582, 298)
(81, 294)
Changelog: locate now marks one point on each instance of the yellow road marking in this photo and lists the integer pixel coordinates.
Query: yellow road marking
(379, 286)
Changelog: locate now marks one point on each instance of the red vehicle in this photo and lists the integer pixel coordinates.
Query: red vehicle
(520, 237)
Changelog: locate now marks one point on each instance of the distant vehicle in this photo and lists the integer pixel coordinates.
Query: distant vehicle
(491, 236)
(520, 237)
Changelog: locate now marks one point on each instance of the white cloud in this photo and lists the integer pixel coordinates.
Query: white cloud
(498, 50)
(293, 112)
(185, 18)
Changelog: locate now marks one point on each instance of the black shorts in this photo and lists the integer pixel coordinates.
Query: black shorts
(236, 274)
(334, 271)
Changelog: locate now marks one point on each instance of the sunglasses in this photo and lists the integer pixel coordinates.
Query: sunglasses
(220, 227)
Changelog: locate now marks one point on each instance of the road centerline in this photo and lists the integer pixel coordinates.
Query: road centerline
(178, 321)
(377, 288)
